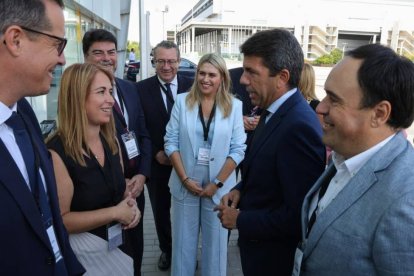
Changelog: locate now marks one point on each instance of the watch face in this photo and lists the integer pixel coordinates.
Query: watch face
(219, 184)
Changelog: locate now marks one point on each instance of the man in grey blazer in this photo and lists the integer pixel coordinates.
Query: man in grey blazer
(362, 223)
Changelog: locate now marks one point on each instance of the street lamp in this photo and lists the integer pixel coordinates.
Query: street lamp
(163, 23)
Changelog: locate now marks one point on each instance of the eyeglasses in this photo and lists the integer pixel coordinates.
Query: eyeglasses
(164, 61)
(62, 41)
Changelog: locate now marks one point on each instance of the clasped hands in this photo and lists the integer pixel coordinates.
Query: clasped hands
(227, 212)
(194, 187)
(127, 212)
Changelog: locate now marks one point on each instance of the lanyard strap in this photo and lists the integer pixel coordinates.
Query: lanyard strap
(206, 129)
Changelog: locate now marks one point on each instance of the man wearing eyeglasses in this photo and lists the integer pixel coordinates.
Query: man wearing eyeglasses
(99, 47)
(157, 95)
(32, 235)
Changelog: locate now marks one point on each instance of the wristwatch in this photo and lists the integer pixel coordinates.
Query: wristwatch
(218, 183)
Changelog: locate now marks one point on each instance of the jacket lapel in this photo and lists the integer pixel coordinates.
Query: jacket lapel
(192, 120)
(14, 182)
(357, 186)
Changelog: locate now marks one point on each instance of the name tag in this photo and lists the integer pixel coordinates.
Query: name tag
(114, 236)
(53, 241)
(131, 144)
(203, 156)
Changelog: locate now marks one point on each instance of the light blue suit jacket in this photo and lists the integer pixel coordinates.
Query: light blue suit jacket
(368, 229)
(228, 141)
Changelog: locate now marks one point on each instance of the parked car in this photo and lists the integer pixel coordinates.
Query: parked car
(133, 70)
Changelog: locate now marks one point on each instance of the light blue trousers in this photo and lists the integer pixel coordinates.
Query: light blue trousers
(189, 216)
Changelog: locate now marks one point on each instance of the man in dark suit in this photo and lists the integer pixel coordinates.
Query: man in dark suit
(284, 158)
(32, 235)
(157, 95)
(99, 47)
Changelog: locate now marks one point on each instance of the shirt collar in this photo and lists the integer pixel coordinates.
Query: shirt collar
(173, 82)
(278, 103)
(6, 112)
(355, 163)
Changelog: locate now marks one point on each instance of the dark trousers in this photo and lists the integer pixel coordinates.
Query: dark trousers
(160, 197)
(266, 258)
(134, 238)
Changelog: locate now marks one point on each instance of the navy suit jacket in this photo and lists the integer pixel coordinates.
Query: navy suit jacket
(279, 169)
(25, 246)
(156, 116)
(136, 121)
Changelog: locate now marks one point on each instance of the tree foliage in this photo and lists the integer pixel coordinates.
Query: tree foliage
(135, 45)
(329, 59)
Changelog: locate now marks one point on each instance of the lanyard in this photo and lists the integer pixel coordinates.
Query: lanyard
(206, 129)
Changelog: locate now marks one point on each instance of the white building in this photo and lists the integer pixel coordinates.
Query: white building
(319, 25)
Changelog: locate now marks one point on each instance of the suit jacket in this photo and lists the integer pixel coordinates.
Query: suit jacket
(136, 121)
(156, 116)
(368, 228)
(25, 246)
(228, 141)
(278, 171)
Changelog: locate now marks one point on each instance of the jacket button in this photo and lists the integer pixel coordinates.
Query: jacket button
(49, 260)
(212, 159)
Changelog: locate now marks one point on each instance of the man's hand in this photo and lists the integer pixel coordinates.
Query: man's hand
(227, 209)
(135, 185)
(162, 158)
(250, 123)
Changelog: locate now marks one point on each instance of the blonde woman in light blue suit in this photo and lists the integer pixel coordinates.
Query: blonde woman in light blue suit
(205, 141)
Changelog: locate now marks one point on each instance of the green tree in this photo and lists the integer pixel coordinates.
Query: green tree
(135, 45)
(329, 59)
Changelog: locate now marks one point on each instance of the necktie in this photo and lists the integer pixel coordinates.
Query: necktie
(260, 126)
(170, 99)
(324, 186)
(32, 165)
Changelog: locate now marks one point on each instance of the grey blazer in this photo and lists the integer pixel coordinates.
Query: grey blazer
(368, 229)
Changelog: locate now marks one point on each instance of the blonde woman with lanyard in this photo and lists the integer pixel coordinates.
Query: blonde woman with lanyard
(205, 141)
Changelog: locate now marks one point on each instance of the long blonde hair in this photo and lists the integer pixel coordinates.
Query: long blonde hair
(307, 82)
(72, 118)
(223, 95)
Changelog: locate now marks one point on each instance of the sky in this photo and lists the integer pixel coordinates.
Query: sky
(176, 11)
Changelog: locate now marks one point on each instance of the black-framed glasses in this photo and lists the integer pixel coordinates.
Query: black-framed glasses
(62, 41)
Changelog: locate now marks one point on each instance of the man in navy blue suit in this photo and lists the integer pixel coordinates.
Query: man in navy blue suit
(283, 160)
(99, 47)
(33, 239)
(157, 95)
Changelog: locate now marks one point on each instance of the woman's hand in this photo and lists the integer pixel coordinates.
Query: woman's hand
(126, 212)
(209, 190)
(193, 187)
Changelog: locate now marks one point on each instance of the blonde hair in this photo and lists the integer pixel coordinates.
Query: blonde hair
(307, 82)
(223, 95)
(72, 118)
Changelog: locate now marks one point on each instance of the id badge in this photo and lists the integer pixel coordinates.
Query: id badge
(131, 144)
(298, 262)
(203, 156)
(53, 241)
(114, 234)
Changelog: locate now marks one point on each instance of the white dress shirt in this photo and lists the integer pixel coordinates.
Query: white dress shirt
(174, 89)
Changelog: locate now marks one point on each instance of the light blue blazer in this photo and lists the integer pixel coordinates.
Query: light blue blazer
(368, 229)
(228, 141)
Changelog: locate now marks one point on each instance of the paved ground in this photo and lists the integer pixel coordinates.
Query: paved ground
(152, 251)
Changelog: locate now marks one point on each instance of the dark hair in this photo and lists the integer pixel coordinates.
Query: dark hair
(167, 45)
(25, 13)
(97, 35)
(384, 75)
(279, 50)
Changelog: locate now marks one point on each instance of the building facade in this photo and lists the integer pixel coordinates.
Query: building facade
(319, 25)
